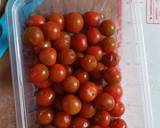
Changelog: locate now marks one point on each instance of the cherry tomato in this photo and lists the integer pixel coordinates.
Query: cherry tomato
(92, 18)
(43, 84)
(118, 109)
(111, 59)
(81, 75)
(36, 20)
(45, 97)
(70, 70)
(58, 73)
(96, 126)
(51, 30)
(71, 84)
(112, 75)
(45, 116)
(62, 120)
(38, 73)
(88, 91)
(87, 110)
(93, 35)
(46, 44)
(67, 56)
(57, 18)
(58, 88)
(118, 123)
(105, 102)
(107, 28)
(108, 45)
(71, 104)
(49, 126)
(57, 104)
(80, 122)
(88, 63)
(114, 90)
(48, 56)
(102, 118)
(96, 51)
(63, 41)
(33, 36)
(79, 42)
(74, 22)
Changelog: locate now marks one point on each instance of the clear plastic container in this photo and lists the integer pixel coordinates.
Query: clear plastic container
(131, 48)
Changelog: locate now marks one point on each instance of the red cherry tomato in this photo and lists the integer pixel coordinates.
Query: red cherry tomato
(43, 84)
(100, 88)
(80, 122)
(58, 73)
(93, 35)
(104, 101)
(38, 73)
(45, 116)
(79, 42)
(62, 120)
(67, 56)
(51, 30)
(107, 28)
(62, 42)
(112, 75)
(82, 75)
(58, 88)
(88, 91)
(118, 109)
(71, 104)
(74, 22)
(48, 56)
(118, 123)
(97, 126)
(45, 97)
(96, 51)
(33, 36)
(36, 20)
(87, 110)
(114, 90)
(57, 18)
(92, 18)
(102, 118)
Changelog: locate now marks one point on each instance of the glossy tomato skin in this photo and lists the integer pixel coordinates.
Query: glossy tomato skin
(88, 91)
(58, 88)
(63, 41)
(71, 104)
(105, 102)
(43, 84)
(80, 122)
(118, 123)
(57, 18)
(114, 90)
(102, 118)
(36, 20)
(79, 42)
(45, 116)
(118, 109)
(112, 75)
(97, 126)
(74, 22)
(48, 56)
(51, 30)
(45, 97)
(67, 56)
(71, 84)
(108, 45)
(62, 120)
(88, 63)
(111, 59)
(107, 27)
(33, 36)
(93, 36)
(58, 73)
(96, 51)
(38, 73)
(92, 18)
(87, 110)
(82, 75)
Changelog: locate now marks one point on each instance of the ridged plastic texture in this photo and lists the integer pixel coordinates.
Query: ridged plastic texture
(131, 49)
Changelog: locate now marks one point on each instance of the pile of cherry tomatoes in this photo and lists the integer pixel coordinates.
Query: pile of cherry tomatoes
(77, 72)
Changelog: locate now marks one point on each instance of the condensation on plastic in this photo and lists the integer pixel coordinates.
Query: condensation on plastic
(131, 48)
